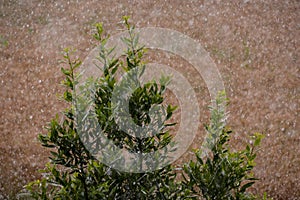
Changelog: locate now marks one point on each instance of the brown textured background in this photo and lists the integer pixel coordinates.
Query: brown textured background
(255, 45)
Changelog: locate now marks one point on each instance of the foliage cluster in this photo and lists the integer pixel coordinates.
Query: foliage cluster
(75, 173)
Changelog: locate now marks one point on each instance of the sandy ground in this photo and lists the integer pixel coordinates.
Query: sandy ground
(255, 45)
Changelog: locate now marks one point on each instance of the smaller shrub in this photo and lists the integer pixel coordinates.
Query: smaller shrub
(218, 172)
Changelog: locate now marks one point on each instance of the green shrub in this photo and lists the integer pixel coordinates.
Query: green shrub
(222, 173)
(75, 173)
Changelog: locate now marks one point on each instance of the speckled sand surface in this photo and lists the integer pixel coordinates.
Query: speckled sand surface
(255, 45)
